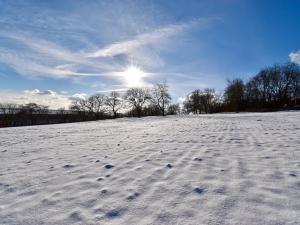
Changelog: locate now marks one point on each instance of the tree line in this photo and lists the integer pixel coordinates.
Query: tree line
(135, 102)
(272, 88)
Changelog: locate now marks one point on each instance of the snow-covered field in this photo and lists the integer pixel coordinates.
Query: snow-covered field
(208, 169)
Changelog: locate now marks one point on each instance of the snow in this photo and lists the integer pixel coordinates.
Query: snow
(207, 169)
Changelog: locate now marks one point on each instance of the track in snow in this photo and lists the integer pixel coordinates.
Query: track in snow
(214, 169)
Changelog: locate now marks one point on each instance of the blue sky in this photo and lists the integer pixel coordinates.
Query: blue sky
(53, 50)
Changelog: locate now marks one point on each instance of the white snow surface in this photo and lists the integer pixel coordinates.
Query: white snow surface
(223, 169)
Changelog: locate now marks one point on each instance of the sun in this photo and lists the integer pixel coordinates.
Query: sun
(133, 76)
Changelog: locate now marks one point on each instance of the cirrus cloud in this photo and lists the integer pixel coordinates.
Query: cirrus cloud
(34, 57)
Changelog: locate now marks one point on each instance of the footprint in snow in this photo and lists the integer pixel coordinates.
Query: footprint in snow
(108, 166)
(198, 159)
(292, 174)
(199, 190)
(104, 191)
(68, 166)
(114, 213)
(133, 196)
(169, 166)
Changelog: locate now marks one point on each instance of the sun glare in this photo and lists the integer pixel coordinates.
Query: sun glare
(133, 76)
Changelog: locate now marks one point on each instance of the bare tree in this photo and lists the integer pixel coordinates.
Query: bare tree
(234, 94)
(207, 99)
(195, 100)
(99, 100)
(192, 103)
(78, 105)
(137, 98)
(173, 109)
(273, 87)
(32, 112)
(114, 102)
(61, 111)
(96, 104)
(201, 101)
(9, 108)
(33, 108)
(161, 97)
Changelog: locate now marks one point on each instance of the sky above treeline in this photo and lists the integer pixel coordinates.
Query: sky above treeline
(53, 51)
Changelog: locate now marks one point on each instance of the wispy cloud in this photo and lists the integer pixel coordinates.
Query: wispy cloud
(43, 47)
(26, 64)
(93, 45)
(155, 37)
(38, 57)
